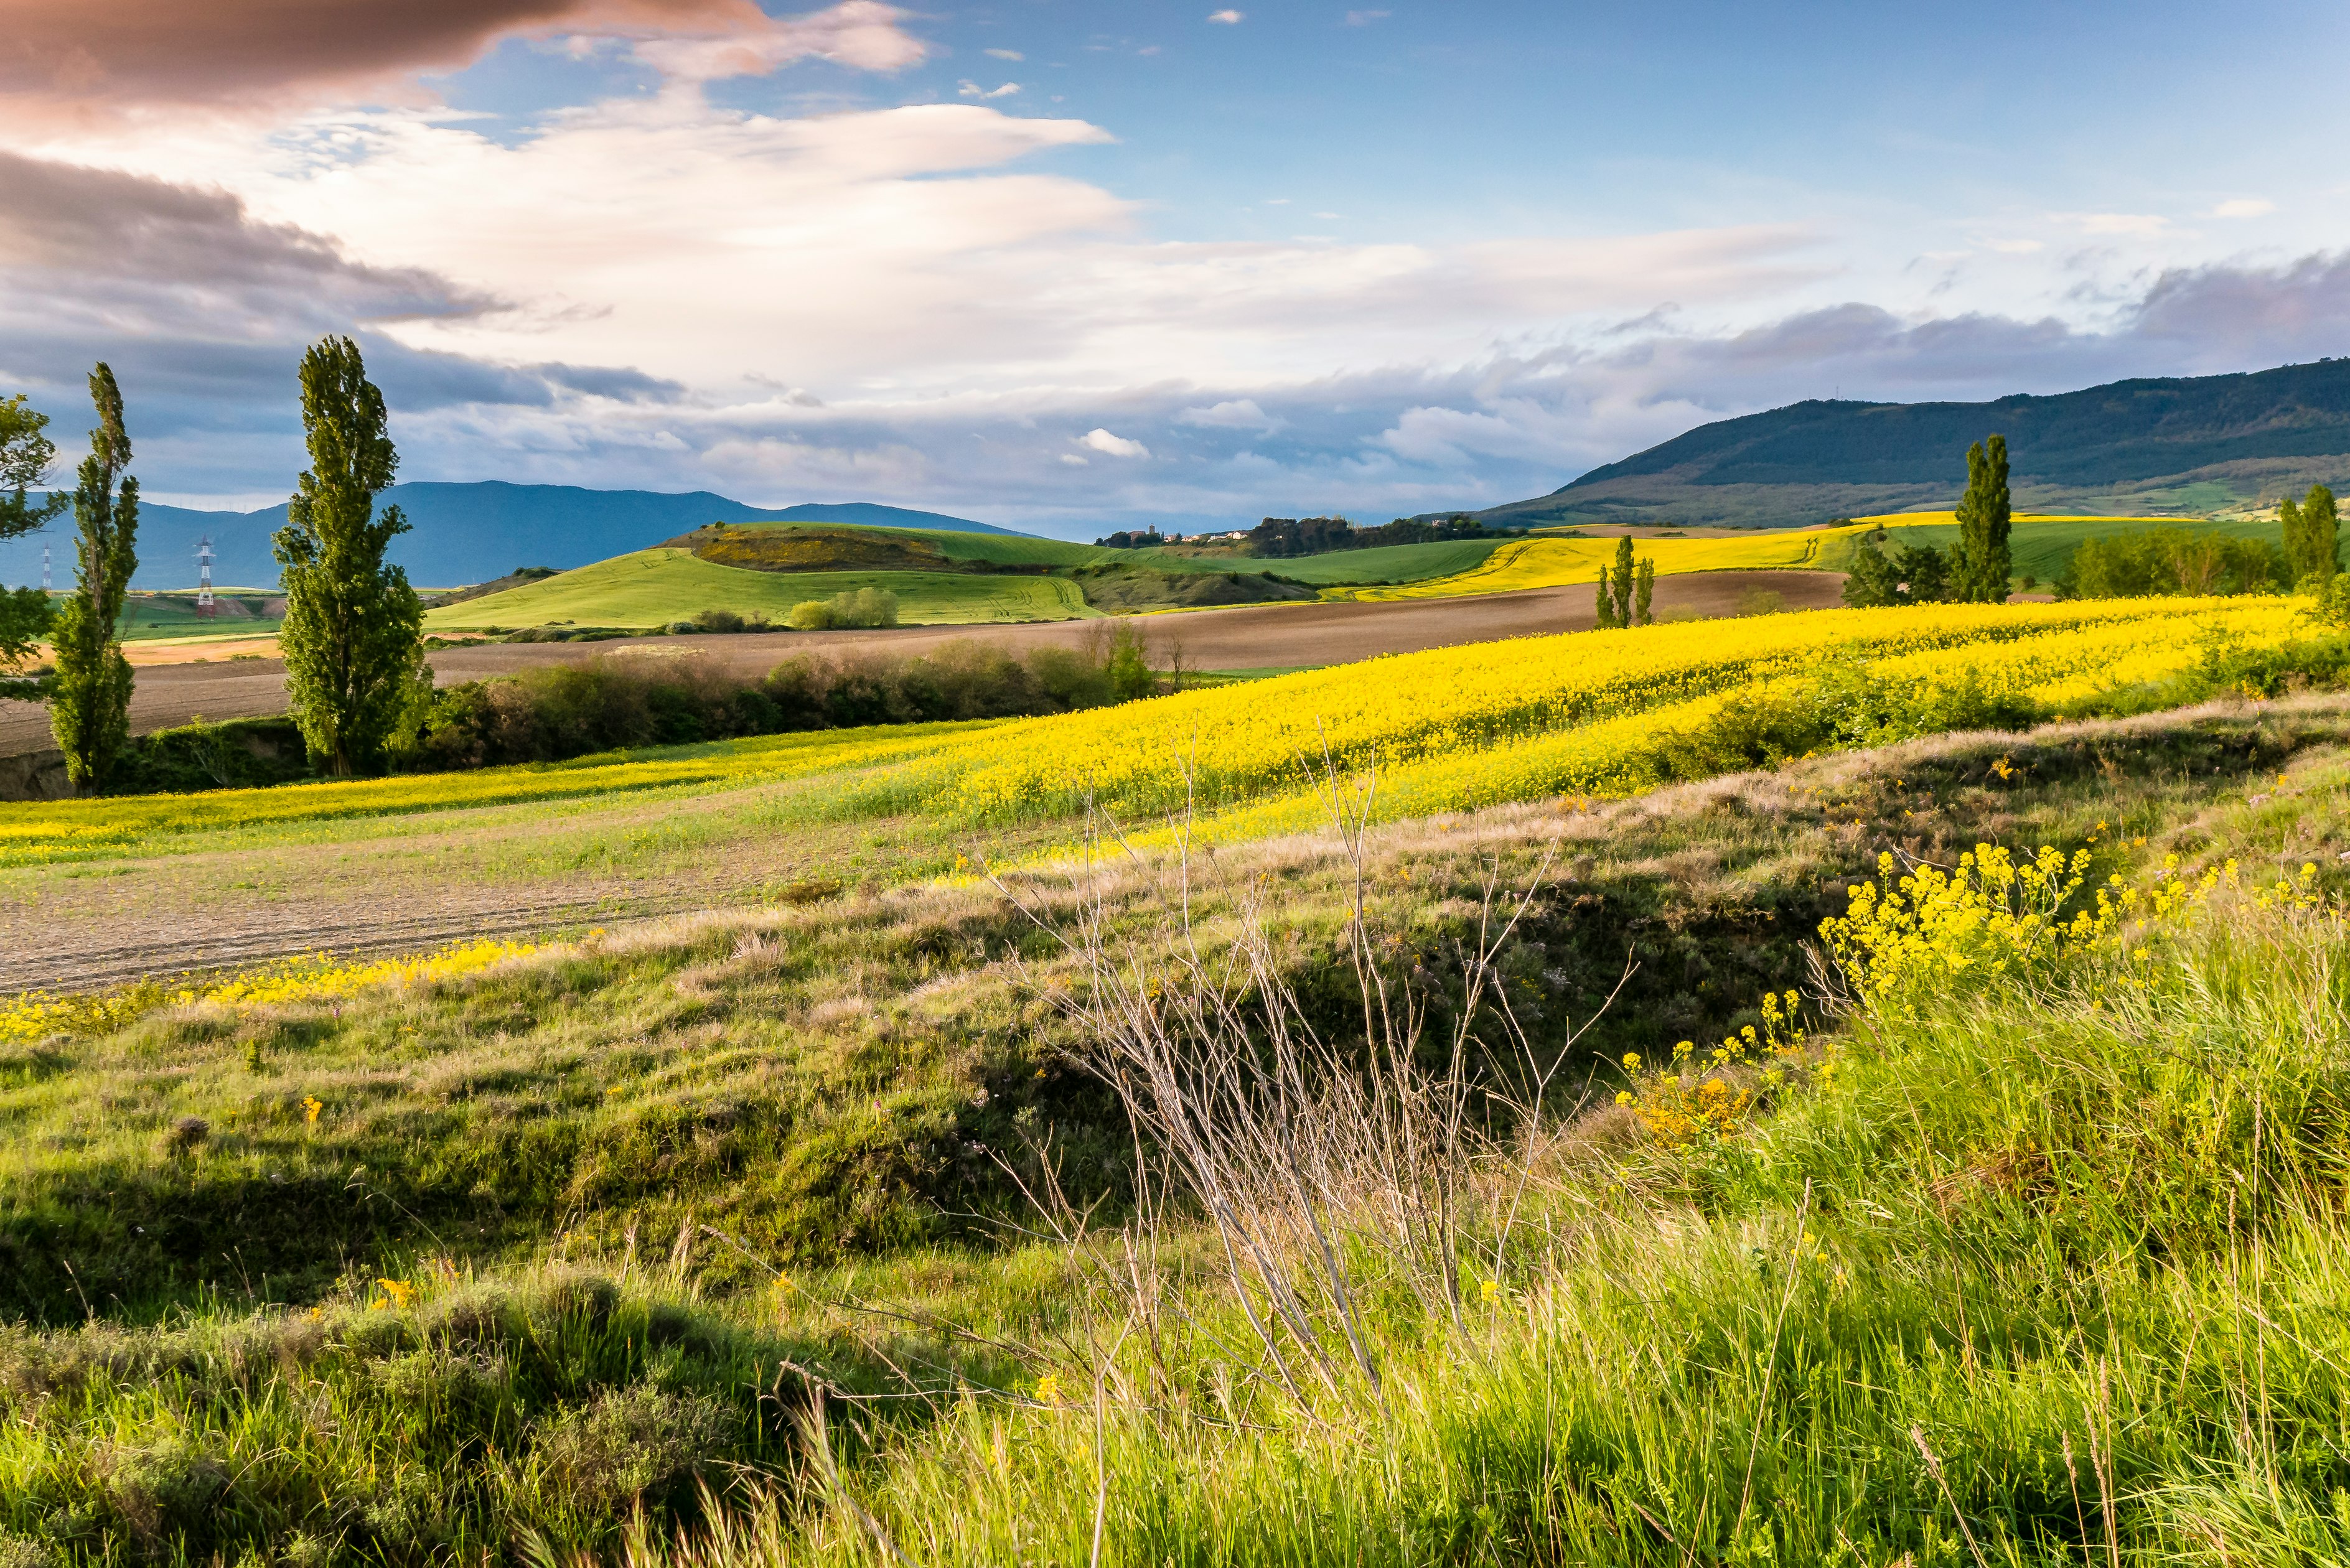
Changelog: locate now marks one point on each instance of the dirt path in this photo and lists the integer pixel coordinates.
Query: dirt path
(1251, 637)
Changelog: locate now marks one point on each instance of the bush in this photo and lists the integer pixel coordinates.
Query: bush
(722, 620)
(842, 612)
(241, 753)
(660, 698)
(2153, 561)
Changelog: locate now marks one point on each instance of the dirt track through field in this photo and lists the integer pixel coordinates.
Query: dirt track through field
(1251, 637)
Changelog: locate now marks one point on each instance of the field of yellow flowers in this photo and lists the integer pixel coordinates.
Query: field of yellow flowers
(1515, 721)
(1584, 712)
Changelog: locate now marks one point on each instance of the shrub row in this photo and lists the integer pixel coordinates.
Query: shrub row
(642, 698)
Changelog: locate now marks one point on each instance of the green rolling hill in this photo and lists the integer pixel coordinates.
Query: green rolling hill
(941, 576)
(2191, 446)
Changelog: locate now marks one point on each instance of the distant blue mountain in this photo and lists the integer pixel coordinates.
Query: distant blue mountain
(458, 533)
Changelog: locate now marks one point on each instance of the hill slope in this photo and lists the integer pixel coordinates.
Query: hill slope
(2174, 445)
(458, 533)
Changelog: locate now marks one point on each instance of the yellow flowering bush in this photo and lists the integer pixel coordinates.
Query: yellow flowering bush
(1997, 917)
(1694, 1098)
(1992, 915)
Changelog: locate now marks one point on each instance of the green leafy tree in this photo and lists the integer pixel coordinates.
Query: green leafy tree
(25, 455)
(1606, 610)
(2312, 537)
(352, 636)
(1872, 582)
(89, 700)
(1619, 582)
(1980, 561)
(1644, 590)
(1128, 667)
(1922, 575)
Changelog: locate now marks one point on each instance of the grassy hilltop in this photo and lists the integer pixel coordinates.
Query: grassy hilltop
(1272, 1171)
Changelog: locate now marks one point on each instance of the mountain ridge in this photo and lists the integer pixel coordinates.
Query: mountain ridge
(2147, 445)
(459, 532)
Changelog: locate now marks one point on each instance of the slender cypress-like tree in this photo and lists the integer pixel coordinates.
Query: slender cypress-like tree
(1644, 590)
(1980, 561)
(89, 699)
(353, 632)
(1619, 582)
(2312, 541)
(1606, 600)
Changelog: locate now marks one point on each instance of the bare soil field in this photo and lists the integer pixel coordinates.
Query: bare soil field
(210, 684)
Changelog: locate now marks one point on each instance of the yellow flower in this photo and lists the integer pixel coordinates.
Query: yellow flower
(311, 1106)
(1048, 1389)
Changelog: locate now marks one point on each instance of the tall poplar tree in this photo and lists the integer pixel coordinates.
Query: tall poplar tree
(1980, 561)
(1606, 612)
(1619, 582)
(89, 702)
(2312, 537)
(353, 635)
(1644, 590)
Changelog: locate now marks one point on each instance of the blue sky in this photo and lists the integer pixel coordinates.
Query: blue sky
(1072, 267)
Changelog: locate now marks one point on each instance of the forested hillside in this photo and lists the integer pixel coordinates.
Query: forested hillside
(2192, 444)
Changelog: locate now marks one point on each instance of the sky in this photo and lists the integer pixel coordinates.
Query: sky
(1075, 267)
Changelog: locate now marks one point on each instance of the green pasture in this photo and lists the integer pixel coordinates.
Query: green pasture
(150, 617)
(652, 587)
(2039, 545)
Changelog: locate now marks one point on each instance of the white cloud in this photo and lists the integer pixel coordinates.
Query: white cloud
(1101, 440)
(972, 89)
(2141, 224)
(1071, 460)
(2015, 247)
(1005, 55)
(1229, 18)
(1233, 413)
(2244, 207)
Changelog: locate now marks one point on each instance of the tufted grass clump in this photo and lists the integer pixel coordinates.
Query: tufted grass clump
(403, 1420)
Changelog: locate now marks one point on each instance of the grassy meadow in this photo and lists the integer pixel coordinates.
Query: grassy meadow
(974, 579)
(1397, 1113)
(654, 588)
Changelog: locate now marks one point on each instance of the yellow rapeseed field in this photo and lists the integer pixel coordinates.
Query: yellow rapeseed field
(1452, 728)
(1223, 746)
(1550, 563)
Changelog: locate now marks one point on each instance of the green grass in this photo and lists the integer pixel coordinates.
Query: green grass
(2040, 546)
(1386, 563)
(154, 617)
(652, 587)
(2023, 1226)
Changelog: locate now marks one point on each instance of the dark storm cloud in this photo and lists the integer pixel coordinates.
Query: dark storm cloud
(112, 53)
(76, 234)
